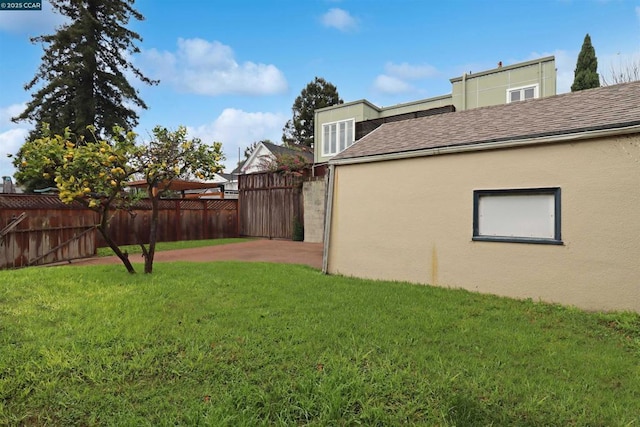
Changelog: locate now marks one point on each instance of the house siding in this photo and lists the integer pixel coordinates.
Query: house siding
(421, 231)
(490, 87)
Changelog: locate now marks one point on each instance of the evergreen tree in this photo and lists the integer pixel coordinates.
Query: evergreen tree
(586, 73)
(317, 94)
(81, 78)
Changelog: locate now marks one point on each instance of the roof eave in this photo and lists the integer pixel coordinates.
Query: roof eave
(492, 145)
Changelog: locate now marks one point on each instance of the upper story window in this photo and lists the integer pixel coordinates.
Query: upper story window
(522, 93)
(337, 136)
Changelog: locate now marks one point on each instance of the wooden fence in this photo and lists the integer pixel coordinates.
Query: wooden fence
(178, 219)
(38, 229)
(270, 204)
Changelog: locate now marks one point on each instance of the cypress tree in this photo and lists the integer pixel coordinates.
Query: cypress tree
(586, 72)
(81, 77)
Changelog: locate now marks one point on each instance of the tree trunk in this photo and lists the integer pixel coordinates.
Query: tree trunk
(103, 228)
(153, 234)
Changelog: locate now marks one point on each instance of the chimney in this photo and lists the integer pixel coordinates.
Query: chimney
(7, 185)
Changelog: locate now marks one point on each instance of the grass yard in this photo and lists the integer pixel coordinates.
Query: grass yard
(233, 343)
(166, 246)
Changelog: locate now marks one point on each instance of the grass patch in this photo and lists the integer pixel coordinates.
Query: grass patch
(233, 343)
(167, 246)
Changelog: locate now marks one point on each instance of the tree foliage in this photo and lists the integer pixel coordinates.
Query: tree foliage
(317, 94)
(97, 172)
(94, 173)
(81, 80)
(167, 157)
(586, 72)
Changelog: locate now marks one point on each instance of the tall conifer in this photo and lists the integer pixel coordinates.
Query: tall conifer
(586, 73)
(81, 80)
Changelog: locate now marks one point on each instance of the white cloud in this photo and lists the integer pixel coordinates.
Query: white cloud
(339, 19)
(410, 72)
(397, 77)
(32, 22)
(6, 114)
(391, 85)
(12, 136)
(238, 129)
(10, 142)
(210, 68)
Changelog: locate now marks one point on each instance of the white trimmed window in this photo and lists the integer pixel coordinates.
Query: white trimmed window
(522, 93)
(525, 215)
(337, 136)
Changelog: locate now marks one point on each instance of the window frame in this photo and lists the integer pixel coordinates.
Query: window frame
(327, 145)
(521, 89)
(557, 220)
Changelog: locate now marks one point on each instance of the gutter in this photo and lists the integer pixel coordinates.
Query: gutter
(494, 145)
(327, 221)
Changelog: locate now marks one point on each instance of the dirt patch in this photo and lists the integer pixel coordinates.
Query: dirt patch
(281, 251)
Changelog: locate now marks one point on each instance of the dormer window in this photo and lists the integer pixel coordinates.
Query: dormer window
(522, 93)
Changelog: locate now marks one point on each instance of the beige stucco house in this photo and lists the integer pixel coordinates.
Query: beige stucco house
(537, 199)
(339, 126)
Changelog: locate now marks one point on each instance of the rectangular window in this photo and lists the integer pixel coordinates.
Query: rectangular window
(522, 93)
(525, 215)
(337, 136)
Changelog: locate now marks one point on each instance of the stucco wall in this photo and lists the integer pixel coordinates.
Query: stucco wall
(421, 229)
(314, 195)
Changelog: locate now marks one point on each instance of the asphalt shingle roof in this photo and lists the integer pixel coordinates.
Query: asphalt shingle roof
(281, 150)
(602, 108)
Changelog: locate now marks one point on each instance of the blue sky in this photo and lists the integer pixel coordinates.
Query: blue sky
(231, 70)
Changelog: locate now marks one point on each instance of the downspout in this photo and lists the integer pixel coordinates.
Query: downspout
(464, 91)
(327, 221)
(541, 78)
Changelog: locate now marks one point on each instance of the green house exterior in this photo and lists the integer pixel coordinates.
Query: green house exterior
(335, 126)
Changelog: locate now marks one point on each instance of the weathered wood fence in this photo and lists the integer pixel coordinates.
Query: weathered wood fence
(39, 229)
(178, 219)
(36, 230)
(270, 204)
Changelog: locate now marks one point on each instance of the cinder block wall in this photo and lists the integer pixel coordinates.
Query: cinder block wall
(314, 194)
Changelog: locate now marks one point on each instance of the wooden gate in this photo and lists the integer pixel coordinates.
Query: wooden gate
(270, 204)
(36, 230)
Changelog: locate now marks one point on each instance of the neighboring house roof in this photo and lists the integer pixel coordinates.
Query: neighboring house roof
(228, 176)
(282, 150)
(266, 151)
(603, 108)
(238, 169)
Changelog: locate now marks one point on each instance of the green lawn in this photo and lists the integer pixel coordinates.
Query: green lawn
(166, 246)
(264, 344)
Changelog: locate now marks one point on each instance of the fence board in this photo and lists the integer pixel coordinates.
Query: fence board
(50, 232)
(270, 203)
(53, 231)
(178, 219)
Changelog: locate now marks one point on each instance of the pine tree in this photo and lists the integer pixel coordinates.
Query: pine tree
(81, 77)
(586, 73)
(317, 94)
